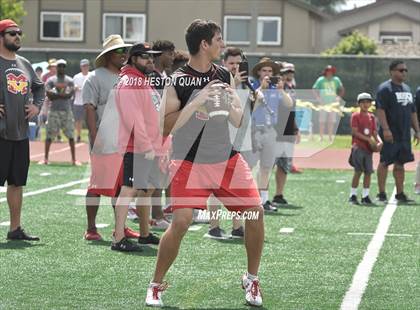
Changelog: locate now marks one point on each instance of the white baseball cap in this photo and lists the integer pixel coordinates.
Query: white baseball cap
(61, 62)
(364, 96)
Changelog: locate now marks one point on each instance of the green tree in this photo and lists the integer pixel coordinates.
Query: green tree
(328, 6)
(12, 9)
(354, 44)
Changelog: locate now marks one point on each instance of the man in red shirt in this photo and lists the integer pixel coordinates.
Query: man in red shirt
(365, 139)
(140, 141)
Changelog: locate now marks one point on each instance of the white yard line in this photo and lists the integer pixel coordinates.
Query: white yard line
(49, 189)
(371, 234)
(358, 286)
(56, 151)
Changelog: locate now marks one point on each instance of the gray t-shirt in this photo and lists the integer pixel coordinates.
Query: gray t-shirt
(60, 85)
(97, 90)
(18, 83)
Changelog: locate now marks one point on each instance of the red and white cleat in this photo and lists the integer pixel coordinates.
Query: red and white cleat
(92, 235)
(131, 234)
(253, 294)
(154, 294)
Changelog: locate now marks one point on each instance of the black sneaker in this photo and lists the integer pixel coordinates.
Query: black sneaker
(381, 197)
(279, 200)
(216, 233)
(353, 200)
(238, 233)
(268, 207)
(150, 239)
(125, 245)
(403, 199)
(366, 201)
(19, 234)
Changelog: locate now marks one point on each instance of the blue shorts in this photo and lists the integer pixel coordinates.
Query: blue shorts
(398, 152)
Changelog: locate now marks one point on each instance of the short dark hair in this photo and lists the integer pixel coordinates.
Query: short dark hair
(395, 64)
(163, 45)
(198, 31)
(232, 51)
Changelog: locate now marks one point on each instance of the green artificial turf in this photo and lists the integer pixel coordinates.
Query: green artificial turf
(310, 268)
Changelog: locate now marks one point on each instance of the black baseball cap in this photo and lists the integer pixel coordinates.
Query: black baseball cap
(142, 48)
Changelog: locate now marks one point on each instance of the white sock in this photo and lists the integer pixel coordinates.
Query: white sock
(251, 276)
(353, 191)
(365, 192)
(264, 196)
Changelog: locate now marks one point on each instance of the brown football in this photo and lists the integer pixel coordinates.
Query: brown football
(218, 108)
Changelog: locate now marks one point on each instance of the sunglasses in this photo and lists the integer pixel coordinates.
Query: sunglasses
(144, 56)
(120, 51)
(403, 70)
(14, 33)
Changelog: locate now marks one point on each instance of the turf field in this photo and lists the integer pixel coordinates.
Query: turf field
(311, 268)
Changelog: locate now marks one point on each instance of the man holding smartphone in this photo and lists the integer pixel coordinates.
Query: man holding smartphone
(264, 119)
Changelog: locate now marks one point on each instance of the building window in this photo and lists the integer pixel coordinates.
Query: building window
(61, 26)
(131, 27)
(395, 38)
(237, 30)
(269, 30)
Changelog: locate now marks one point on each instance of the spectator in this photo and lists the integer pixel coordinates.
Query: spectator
(15, 111)
(60, 90)
(287, 134)
(141, 143)
(38, 71)
(264, 119)
(180, 59)
(396, 113)
(364, 139)
(97, 95)
(52, 69)
(330, 89)
(78, 109)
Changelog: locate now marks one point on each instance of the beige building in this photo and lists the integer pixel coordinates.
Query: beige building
(273, 26)
(385, 21)
(256, 26)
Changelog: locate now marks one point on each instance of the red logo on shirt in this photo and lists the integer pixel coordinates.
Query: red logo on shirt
(17, 84)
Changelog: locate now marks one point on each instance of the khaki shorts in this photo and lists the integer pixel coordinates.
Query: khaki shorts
(60, 120)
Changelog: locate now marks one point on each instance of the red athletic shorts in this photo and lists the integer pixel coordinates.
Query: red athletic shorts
(106, 174)
(230, 181)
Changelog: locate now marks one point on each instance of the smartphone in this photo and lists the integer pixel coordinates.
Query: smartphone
(243, 66)
(274, 80)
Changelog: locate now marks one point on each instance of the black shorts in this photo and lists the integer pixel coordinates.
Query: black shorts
(14, 162)
(141, 173)
(398, 152)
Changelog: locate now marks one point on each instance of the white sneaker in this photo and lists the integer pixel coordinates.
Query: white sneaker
(161, 224)
(417, 189)
(252, 289)
(132, 212)
(154, 294)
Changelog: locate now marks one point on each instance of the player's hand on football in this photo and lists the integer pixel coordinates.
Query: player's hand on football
(204, 95)
(149, 155)
(31, 111)
(2, 110)
(388, 136)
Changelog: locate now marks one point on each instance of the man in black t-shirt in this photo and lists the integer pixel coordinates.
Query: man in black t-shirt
(396, 114)
(17, 81)
(203, 160)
